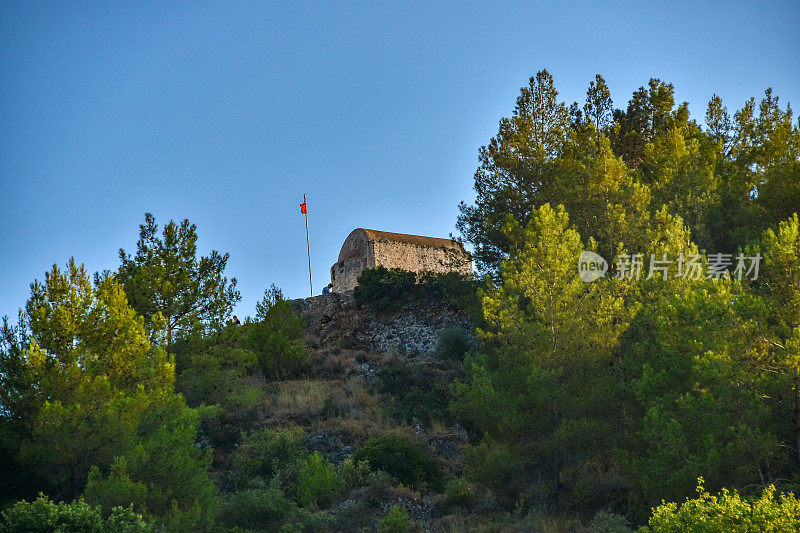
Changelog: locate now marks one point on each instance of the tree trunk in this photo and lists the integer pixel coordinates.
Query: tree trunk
(73, 481)
(797, 415)
(169, 335)
(796, 421)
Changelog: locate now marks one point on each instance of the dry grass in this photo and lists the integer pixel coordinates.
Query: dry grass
(313, 400)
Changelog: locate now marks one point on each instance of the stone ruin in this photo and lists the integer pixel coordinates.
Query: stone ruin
(369, 248)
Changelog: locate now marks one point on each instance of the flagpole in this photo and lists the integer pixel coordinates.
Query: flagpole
(308, 246)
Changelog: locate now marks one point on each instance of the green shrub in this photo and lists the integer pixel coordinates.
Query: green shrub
(117, 489)
(382, 288)
(166, 473)
(606, 522)
(458, 290)
(409, 462)
(256, 508)
(306, 521)
(353, 474)
(396, 521)
(355, 515)
(43, 515)
(453, 343)
(495, 466)
(265, 452)
(727, 511)
(277, 335)
(417, 392)
(317, 482)
(459, 493)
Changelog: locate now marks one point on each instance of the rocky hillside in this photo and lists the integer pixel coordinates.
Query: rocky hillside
(376, 373)
(413, 329)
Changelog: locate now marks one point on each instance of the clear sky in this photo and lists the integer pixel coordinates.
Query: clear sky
(225, 113)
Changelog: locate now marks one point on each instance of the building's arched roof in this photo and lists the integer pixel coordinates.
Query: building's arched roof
(376, 235)
(436, 242)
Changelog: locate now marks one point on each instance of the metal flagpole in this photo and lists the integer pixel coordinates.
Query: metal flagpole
(308, 245)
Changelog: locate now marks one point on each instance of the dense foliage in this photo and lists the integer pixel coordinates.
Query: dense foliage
(727, 511)
(384, 288)
(619, 393)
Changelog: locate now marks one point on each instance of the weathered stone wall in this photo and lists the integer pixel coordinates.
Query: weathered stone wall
(366, 248)
(419, 258)
(413, 329)
(357, 253)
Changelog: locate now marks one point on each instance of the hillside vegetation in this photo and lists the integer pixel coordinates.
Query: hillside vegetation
(664, 395)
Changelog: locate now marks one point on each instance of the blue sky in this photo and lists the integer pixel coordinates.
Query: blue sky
(226, 113)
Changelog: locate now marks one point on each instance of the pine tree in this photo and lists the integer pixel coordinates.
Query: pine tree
(166, 280)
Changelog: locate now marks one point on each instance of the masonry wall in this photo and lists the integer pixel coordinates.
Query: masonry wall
(420, 258)
(356, 255)
(368, 248)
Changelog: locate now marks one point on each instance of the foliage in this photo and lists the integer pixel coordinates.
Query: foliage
(165, 474)
(453, 343)
(218, 370)
(605, 522)
(459, 493)
(727, 511)
(44, 515)
(396, 520)
(317, 482)
(399, 456)
(613, 171)
(276, 337)
(166, 280)
(415, 392)
(382, 288)
(265, 452)
(264, 509)
(551, 335)
(460, 291)
(694, 422)
(91, 373)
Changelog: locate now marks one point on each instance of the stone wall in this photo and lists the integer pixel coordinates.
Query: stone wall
(357, 253)
(419, 258)
(413, 329)
(365, 248)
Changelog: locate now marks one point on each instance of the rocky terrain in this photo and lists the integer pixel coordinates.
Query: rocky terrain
(376, 372)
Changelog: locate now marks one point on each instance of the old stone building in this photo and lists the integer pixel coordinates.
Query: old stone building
(369, 248)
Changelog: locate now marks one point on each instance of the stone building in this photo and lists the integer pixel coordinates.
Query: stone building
(369, 248)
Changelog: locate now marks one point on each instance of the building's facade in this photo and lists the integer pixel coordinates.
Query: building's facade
(367, 248)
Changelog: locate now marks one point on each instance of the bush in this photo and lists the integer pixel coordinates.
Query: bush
(43, 515)
(166, 473)
(353, 474)
(411, 463)
(383, 288)
(727, 512)
(453, 343)
(497, 467)
(317, 483)
(419, 392)
(396, 521)
(459, 493)
(265, 452)
(277, 336)
(605, 522)
(458, 290)
(256, 508)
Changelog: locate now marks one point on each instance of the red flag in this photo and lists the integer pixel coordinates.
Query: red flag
(303, 208)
